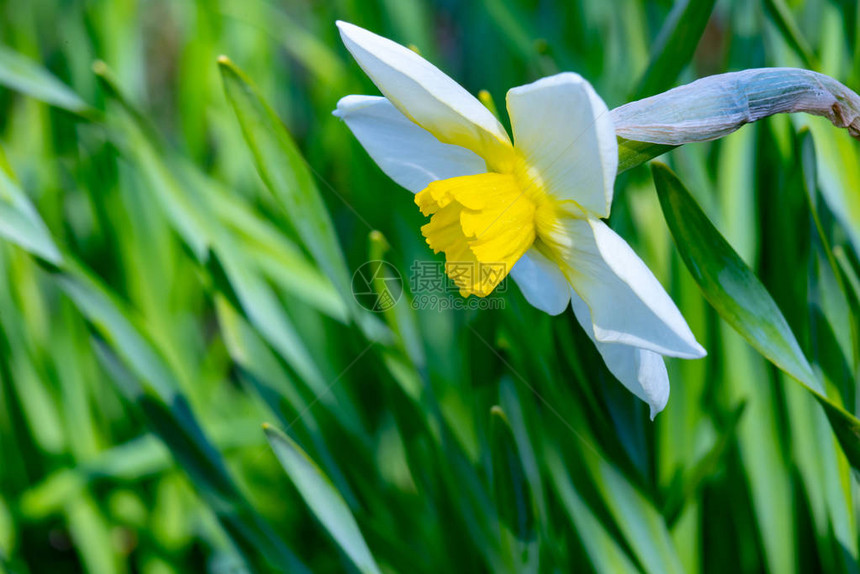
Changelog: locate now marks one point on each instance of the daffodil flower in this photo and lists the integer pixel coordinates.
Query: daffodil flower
(533, 207)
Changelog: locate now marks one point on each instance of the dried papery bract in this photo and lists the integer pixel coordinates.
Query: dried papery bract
(716, 106)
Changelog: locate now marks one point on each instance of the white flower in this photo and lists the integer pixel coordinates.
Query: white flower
(533, 207)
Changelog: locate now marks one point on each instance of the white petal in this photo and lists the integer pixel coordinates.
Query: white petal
(425, 94)
(628, 305)
(565, 132)
(541, 282)
(406, 152)
(643, 372)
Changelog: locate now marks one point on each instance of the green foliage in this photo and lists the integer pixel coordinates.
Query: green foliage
(178, 235)
(733, 290)
(675, 45)
(323, 499)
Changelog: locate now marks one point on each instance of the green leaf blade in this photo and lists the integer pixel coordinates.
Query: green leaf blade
(21, 224)
(285, 173)
(742, 301)
(726, 281)
(510, 485)
(23, 75)
(322, 498)
(676, 45)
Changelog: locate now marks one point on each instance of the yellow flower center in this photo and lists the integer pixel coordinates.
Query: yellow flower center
(484, 223)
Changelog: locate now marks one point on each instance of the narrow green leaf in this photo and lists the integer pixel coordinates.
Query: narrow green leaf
(4, 163)
(183, 195)
(186, 211)
(632, 153)
(110, 84)
(820, 464)
(635, 515)
(261, 370)
(511, 490)
(832, 288)
(838, 168)
(21, 224)
(406, 358)
(825, 481)
(675, 45)
(154, 391)
(728, 284)
(848, 271)
(7, 531)
(92, 536)
(26, 76)
(742, 301)
(323, 499)
(279, 259)
(513, 496)
(759, 440)
(604, 550)
(317, 57)
(809, 165)
(784, 20)
(263, 308)
(286, 174)
(701, 470)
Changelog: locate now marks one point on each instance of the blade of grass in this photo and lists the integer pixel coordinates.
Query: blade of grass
(512, 494)
(675, 46)
(286, 174)
(781, 14)
(154, 392)
(26, 76)
(838, 170)
(632, 153)
(641, 524)
(262, 371)
(738, 296)
(20, 224)
(606, 554)
(323, 499)
(92, 536)
(195, 221)
(317, 57)
(821, 465)
(703, 468)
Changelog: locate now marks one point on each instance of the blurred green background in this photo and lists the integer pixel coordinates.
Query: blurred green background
(159, 302)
